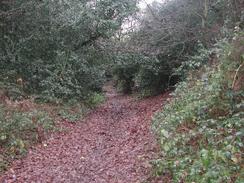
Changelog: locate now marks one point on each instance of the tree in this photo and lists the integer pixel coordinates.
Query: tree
(52, 45)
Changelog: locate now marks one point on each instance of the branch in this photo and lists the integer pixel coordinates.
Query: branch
(151, 11)
(91, 40)
(235, 77)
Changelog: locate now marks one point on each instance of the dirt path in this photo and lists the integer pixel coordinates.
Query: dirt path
(113, 145)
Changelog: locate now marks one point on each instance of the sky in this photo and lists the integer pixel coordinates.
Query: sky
(143, 3)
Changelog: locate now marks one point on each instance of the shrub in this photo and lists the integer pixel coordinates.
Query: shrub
(71, 78)
(152, 79)
(70, 116)
(95, 99)
(124, 80)
(201, 58)
(146, 75)
(124, 72)
(201, 129)
(12, 91)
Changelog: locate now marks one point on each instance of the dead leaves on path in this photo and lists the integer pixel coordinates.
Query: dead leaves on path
(113, 144)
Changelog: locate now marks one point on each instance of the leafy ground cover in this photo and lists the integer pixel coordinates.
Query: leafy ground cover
(201, 129)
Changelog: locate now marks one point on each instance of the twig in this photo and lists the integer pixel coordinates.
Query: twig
(234, 81)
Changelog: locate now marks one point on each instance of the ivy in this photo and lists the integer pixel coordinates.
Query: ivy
(201, 128)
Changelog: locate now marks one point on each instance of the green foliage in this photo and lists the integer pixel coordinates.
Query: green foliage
(71, 78)
(54, 46)
(124, 71)
(173, 38)
(201, 128)
(201, 58)
(137, 72)
(72, 115)
(12, 91)
(95, 99)
(18, 130)
(152, 78)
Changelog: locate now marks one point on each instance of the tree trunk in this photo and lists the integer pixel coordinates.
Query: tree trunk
(205, 13)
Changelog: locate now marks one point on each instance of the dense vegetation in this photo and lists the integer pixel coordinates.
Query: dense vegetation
(169, 34)
(51, 51)
(201, 128)
(62, 52)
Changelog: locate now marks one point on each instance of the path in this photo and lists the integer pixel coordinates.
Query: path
(113, 145)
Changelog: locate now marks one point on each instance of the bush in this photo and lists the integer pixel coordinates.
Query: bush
(124, 80)
(70, 78)
(72, 115)
(201, 129)
(124, 72)
(12, 91)
(201, 58)
(146, 75)
(152, 79)
(95, 99)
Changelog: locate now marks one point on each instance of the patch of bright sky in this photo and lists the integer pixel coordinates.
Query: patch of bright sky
(132, 25)
(143, 3)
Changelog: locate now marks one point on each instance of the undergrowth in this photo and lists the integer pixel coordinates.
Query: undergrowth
(25, 123)
(94, 99)
(19, 130)
(201, 129)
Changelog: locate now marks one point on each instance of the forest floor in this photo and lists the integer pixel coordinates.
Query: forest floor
(113, 144)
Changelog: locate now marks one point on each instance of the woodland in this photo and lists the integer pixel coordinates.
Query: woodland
(145, 91)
